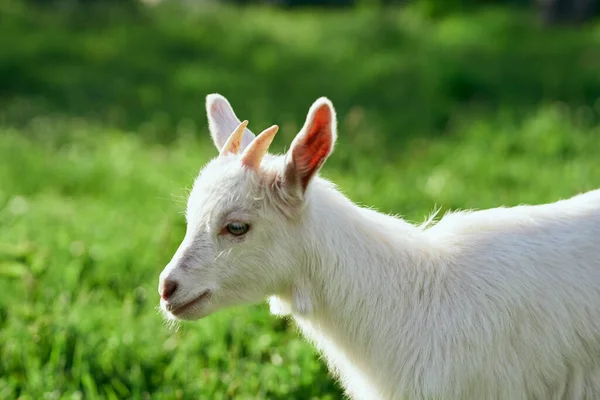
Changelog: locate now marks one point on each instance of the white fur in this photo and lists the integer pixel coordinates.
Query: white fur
(495, 304)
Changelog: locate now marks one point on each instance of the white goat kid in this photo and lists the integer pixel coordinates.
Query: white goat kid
(495, 304)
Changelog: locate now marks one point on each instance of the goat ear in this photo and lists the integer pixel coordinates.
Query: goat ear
(222, 121)
(312, 145)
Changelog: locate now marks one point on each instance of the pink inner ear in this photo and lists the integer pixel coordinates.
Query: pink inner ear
(315, 145)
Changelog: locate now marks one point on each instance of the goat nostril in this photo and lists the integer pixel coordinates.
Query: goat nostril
(169, 288)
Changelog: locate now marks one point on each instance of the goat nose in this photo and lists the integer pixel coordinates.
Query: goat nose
(168, 288)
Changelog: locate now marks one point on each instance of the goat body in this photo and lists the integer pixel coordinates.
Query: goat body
(495, 304)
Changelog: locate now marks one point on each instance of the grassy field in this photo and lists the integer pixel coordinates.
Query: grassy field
(102, 130)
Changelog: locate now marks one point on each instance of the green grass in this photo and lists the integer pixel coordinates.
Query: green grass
(103, 130)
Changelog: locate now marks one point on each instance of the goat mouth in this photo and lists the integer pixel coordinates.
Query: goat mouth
(183, 308)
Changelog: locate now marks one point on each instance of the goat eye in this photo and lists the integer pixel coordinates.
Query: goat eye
(237, 228)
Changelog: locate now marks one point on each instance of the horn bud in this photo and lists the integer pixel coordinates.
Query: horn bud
(232, 146)
(256, 150)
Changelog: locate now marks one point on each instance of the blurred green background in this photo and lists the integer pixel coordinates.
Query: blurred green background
(451, 104)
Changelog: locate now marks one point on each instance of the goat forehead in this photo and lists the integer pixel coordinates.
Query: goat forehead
(221, 184)
(224, 176)
(218, 177)
(224, 184)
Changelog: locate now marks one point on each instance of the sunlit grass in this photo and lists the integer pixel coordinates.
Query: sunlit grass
(89, 219)
(102, 131)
